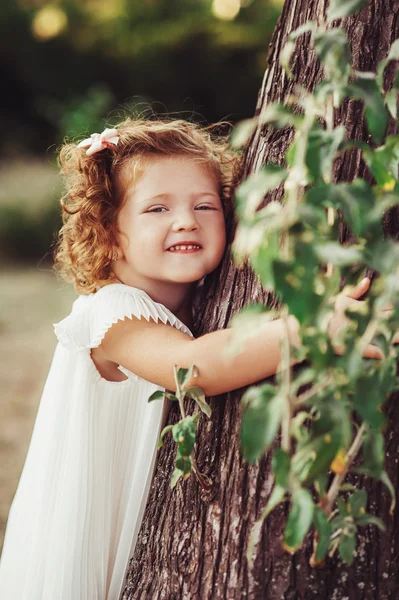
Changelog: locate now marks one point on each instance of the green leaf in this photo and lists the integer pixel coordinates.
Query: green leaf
(165, 430)
(383, 162)
(281, 465)
(249, 237)
(391, 98)
(347, 546)
(332, 48)
(361, 320)
(252, 191)
(279, 116)
(373, 454)
(391, 101)
(184, 434)
(264, 409)
(335, 87)
(387, 374)
(375, 112)
(249, 315)
(305, 28)
(177, 473)
(299, 520)
(347, 487)
(298, 429)
(183, 376)
(383, 256)
(159, 395)
(315, 456)
(367, 401)
(355, 200)
(392, 55)
(243, 132)
(343, 8)
(291, 153)
(321, 484)
(328, 432)
(371, 520)
(324, 530)
(321, 150)
(320, 352)
(276, 497)
(183, 463)
(294, 283)
(335, 254)
(289, 47)
(343, 508)
(313, 218)
(357, 502)
(304, 377)
(262, 259)
(198, 394)
(388, 483)
(285, 56)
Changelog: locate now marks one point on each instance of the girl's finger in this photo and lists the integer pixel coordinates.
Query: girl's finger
(360, 289)
(371, 351)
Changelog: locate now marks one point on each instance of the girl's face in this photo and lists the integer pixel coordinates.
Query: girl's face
(171, 227)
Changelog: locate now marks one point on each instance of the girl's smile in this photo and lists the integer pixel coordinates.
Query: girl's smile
(171, 228)
(185, 247)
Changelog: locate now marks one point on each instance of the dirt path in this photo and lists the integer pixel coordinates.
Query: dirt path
(31, 300)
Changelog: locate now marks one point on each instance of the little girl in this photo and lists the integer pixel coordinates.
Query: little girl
(143, 224)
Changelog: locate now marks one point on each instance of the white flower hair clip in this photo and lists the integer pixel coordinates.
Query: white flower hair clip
(109, 138)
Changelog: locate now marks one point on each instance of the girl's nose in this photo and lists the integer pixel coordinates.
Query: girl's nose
(185, 222)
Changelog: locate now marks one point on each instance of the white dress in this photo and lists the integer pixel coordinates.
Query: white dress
(76, 515)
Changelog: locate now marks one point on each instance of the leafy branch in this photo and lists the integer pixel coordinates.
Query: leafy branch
(184, 431)
(334, 427)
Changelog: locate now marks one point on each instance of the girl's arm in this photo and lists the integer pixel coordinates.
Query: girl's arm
(150, 350)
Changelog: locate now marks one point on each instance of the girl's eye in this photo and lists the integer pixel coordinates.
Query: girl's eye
(206, 207)
(157, 209)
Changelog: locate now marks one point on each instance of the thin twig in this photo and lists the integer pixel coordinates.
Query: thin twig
(316, 389)
(368, 335)
(205, 481)
(329, 115)
(286, 376)
(180, 394)
(339, 477)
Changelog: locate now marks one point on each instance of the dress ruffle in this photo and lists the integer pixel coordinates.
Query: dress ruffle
(94, 314)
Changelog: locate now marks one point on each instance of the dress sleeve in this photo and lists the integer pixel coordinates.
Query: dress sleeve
(93, 315)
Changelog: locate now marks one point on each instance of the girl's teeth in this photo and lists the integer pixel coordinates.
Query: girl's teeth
(190, 247)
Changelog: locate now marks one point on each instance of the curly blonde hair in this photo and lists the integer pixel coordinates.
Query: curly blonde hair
(93, 197)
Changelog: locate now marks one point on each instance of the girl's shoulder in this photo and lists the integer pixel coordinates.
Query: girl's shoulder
(93, 314)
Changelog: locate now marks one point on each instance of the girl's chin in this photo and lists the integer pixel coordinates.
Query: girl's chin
(186, 279)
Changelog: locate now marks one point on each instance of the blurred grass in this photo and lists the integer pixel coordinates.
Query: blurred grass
(28, 182)
(30, 189)
(31, 300)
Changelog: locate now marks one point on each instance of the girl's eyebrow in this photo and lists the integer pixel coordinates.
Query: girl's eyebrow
(169, 196)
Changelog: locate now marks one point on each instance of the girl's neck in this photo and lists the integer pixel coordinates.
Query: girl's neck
(177, 298)
(185, 311)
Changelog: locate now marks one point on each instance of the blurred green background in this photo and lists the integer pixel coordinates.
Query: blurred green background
(69, 68)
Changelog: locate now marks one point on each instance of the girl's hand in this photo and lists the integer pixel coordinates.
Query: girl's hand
(339, 320)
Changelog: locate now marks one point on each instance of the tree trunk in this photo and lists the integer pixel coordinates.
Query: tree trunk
(193, 546)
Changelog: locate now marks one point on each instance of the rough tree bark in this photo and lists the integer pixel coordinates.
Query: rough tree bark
(192, 546)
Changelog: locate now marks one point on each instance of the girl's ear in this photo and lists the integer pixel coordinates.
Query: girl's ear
(117, 245)
(117, 253)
